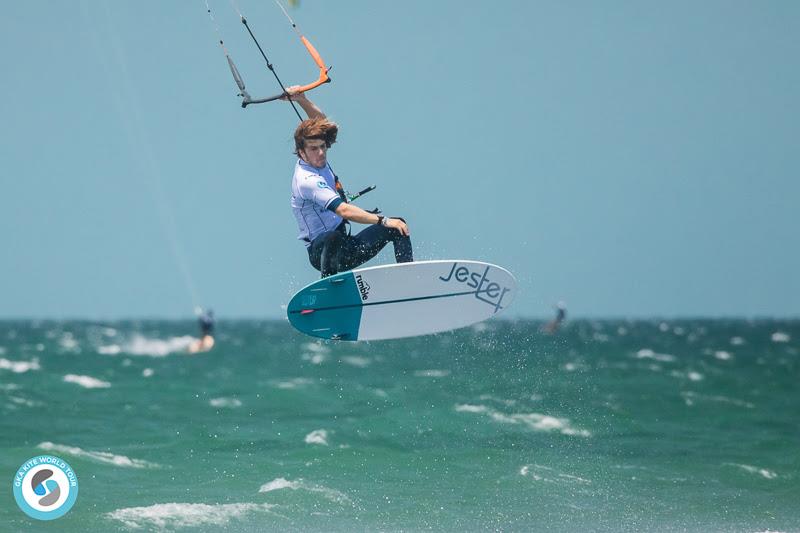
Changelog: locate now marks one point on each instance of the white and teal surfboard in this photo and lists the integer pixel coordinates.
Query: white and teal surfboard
(401, 300)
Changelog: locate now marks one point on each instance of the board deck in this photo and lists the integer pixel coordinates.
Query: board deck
(401, 300)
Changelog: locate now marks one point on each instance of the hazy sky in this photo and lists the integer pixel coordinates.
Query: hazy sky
(632, 158)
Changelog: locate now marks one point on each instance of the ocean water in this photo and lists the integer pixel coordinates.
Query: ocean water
(679, 425)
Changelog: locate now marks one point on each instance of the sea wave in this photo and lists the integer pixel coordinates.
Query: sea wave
(763, 472)
(647, 353)
(327, 493)
(318, 436)
(535, 421)
(18, 367)
(141, 345)
(87, 382)
(166, 516)
(225, 402)
(100, 457)
(550, 475)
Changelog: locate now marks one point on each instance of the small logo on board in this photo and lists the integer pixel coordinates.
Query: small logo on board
(363, 287)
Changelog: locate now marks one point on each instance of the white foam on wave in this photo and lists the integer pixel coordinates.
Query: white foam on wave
(354, 360)
(691, 375)
(141, 345)
(315, 352)
(534, 421)
(314, 358)
(690, 397)
(647, 353)
(737, 341)
(318, 436)
(68, 342)
(316, 347)
(327, 493)
(168, 516)
(87, 382)
(780, 336)
(722, 355)
(763, 472)
(225, 402)
(18, 400)
(294, 383)
(550, 475)
(432, 373)
(100, 457)
(111, 349)
(19, 367)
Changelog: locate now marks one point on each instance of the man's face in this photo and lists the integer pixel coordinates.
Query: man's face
(314, 152)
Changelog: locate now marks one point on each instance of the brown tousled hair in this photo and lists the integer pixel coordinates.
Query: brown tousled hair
(315, 128)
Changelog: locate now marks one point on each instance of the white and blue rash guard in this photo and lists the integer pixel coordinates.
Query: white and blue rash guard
(314, 200)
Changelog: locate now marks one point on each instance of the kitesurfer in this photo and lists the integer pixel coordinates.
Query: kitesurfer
(321, 207)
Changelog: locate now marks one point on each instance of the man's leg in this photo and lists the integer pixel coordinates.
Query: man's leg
(325, 252)
(362, 247)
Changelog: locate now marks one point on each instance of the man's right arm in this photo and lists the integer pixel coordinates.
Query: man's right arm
(356, 214)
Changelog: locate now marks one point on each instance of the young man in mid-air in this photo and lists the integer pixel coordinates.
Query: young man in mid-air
(321, 208)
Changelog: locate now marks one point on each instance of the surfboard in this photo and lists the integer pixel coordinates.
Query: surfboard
(401, 300)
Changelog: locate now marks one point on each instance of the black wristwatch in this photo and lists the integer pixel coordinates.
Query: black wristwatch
(380, 221)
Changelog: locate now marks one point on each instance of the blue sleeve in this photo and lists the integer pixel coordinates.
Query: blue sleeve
(334, 204)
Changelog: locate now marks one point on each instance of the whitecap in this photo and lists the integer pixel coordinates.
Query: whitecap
(24, 401)
(318, 436)
(147, 372)
(111, 349)
(294, 383)
(68, 342)
(695, 376)
(737, 341)
(18, 367)
(140, 345)
(100, 457)
(780, 336)
(534, 421)
(433, 373)
(466, 408)
(647, 353)
(327, 493)
(550, 475)
(225, 402)
(316, 347)
(763, 472)
(314, 358)
(183, 515)
(690, 396)
(354, 360)
(87, 381)
(722, 355)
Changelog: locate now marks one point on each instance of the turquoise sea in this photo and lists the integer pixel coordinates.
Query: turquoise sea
(609, 425)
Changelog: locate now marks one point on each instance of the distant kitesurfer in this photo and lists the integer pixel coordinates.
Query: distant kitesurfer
(561, 313)
(205, 320)
(321, 206)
